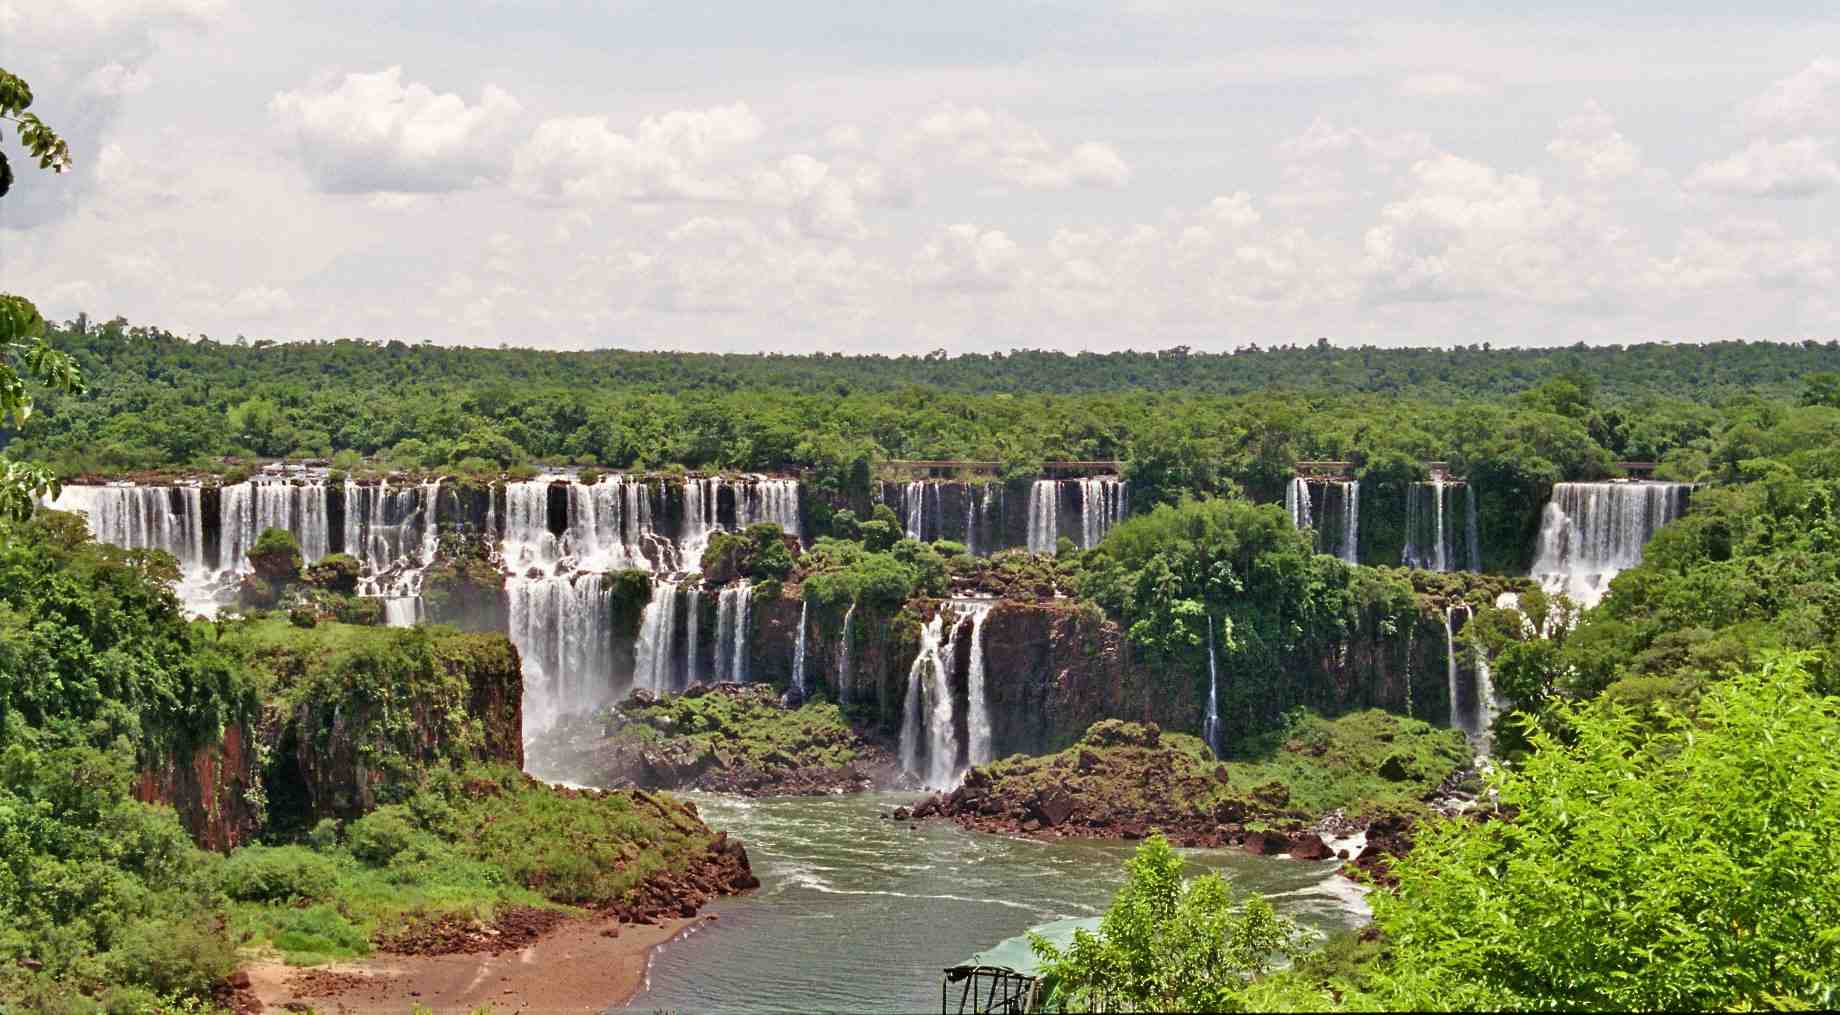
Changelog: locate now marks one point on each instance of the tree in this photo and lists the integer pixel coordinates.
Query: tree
(1168, 945)
(21, 328)
(1694, 869)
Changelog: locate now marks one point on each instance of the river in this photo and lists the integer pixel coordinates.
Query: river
(856, 913)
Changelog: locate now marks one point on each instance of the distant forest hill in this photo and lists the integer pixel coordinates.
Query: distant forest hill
(1184, 420)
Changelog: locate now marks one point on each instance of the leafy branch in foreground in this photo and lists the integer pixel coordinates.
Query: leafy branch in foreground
(34, 135)
(21, 338)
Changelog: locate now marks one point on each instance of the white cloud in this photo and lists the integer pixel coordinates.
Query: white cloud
(674, 157)
(1439, 86)
(1015, 152)
(373, 132)
(967, 258)
(1591, 145)
(1322, 138)
(114, 79)
(1801, 167)
(1469, 231)
(1809, 99)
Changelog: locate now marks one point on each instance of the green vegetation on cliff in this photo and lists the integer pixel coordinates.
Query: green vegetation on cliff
(1129, 776)
(380, 766)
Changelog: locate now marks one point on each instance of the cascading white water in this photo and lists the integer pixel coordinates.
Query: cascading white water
(1591, 532)
(930, 744)
(401, 611)
(913, 498)
(1210, 724)
(1297, 502)
(1457, 718)
(1471, 528)
(1103, 504)
(798, 648)
(843, 656)
(764, 499)
(1441, 556)
(971, 495)
(731, 633)
(1044, 523)
(393, 535)
(700, 500)
(246, 509)
(527, 541)
(562, 630)
(1350, 550)
(652, 655)
(693, 615)
(155, 518)
(977, 707)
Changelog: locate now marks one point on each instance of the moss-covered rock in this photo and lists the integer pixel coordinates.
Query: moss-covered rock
(735, 738)
(1126, 780)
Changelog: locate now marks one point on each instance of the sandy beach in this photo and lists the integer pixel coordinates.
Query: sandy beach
(578, 967)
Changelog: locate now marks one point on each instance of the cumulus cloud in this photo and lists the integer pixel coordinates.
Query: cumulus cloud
(674, 157)
(1016, 152)
(374, 132)
(968, 258)
(1801, 167)
(1809, 99)
(1591, 145)
(1467, 230)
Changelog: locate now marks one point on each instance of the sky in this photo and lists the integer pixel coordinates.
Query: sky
(904, 177)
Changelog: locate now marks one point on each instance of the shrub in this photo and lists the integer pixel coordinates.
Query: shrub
(186, 957)
(277, 874)
(324, 835)
(378, 836)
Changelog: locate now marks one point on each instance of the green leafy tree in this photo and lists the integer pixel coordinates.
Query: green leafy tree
(39, 140)
(1693, 869)
(1168, 945)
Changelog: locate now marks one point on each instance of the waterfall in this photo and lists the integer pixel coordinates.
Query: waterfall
(155, 518)
(1591, 532)
(1044, 507)
(561, 627)
(765, 499)
(401, 611)
(527, 541)
(1470, 527)
(930, 745)
(394, 537)
(977, 708)
(700, 497)
(843, 656)
(692, 592)
(913, 499)
(732, 632)
(652, 655)
(1351, 521)
(1297, 502)
(971, 493)
(1429, 540)
(798, 648)
(1486, 705)
(1450, 667)
(1210, 725)
(1437, 501)
(249, 508)
(1101, 507)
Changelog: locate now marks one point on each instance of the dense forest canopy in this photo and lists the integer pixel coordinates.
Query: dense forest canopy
(1184, 421)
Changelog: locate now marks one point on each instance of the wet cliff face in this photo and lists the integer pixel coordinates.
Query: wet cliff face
(1054, 668)
(350, 739)
(217, 790)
